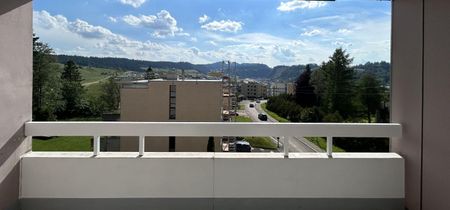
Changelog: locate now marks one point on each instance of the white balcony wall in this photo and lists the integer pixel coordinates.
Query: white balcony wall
(237, 181)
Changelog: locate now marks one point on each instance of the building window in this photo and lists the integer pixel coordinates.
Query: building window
(172, 140)
(172, 102)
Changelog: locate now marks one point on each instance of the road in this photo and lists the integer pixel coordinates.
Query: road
(95, 82)
(298, 144)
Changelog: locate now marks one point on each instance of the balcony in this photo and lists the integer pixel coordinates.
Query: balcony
(142, 180)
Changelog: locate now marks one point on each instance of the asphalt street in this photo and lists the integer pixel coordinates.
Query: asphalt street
(297, 144)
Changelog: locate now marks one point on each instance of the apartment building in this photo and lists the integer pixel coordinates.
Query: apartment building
(276, 89)
(171, 101)
(252, 90)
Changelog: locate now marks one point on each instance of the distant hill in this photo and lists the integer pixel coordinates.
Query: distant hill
(289, 73)
(245, 70)
(382, 70)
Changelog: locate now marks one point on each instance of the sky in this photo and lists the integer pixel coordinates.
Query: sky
(273, 32)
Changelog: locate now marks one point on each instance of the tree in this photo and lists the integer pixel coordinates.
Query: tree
(72, 89)
(149, 74)
(338, 84)
(304, 91)
(370, 94)
(110, 95)
(46, 82)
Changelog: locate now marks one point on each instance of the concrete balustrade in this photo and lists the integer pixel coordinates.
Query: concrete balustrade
(212, 181)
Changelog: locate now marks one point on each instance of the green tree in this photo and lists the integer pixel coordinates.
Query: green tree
(304, 91)
(72, 90)
(149, 74)
(370, 94)
(110, 95)
(338, 79)
(46, 82)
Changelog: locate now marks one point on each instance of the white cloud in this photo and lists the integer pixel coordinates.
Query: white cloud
(342, 44)
(133, 3)
(344, 31)
(45, 20)
(163, 24)
(86, 30)
(203, 19)
(224, 26)
(81, 38)
(299, 4)
(195, 50)
(213, 43)
(80, 27)
(112, 19)
(314, 32)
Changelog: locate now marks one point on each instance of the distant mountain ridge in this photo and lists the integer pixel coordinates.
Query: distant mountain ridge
(244, 70)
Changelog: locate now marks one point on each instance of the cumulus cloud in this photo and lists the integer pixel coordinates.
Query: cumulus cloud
(213, 43)
(86, 30)
(75, 37)
(344, 31)
(163, 24)
(133, 3)
(299, 4)
(47, 21)
(223, 26)
(203, 19)
(342, 44)
(195, 50)
(314, 32)
(112, 19)
(80, 27)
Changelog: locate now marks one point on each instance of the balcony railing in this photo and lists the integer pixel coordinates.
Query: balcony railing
(204, 129)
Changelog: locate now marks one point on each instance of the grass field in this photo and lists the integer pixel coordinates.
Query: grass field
(322, 143)
(90, 74)
(273, 114)
(242, 119)
(261, 142)
(94, 90)
(96, 74)
(63, 144)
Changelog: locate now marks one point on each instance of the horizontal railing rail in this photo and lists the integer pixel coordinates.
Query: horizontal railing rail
(204, 129)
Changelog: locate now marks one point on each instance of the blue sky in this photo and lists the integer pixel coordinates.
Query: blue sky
(274, 32)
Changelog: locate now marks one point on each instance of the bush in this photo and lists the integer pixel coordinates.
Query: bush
(286, 107)
(333, 117)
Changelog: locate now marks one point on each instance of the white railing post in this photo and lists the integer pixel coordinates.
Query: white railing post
(96, 145)
(286, 146)
(141, 145)
(330, 146)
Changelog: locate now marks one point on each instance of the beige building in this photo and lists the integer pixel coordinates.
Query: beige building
(253, 90)
(171, 101)
(277, 89)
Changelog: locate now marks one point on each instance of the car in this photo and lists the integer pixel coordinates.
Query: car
(258, 101)
(252, 105)
(262, 117)
(243, 146)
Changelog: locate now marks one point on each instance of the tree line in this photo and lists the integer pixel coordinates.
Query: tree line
(336, 92)
(60, 95)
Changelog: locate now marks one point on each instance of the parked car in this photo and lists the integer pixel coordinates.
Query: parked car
(262, 117)
(258, 101)
(243, 146)
(252, 105)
